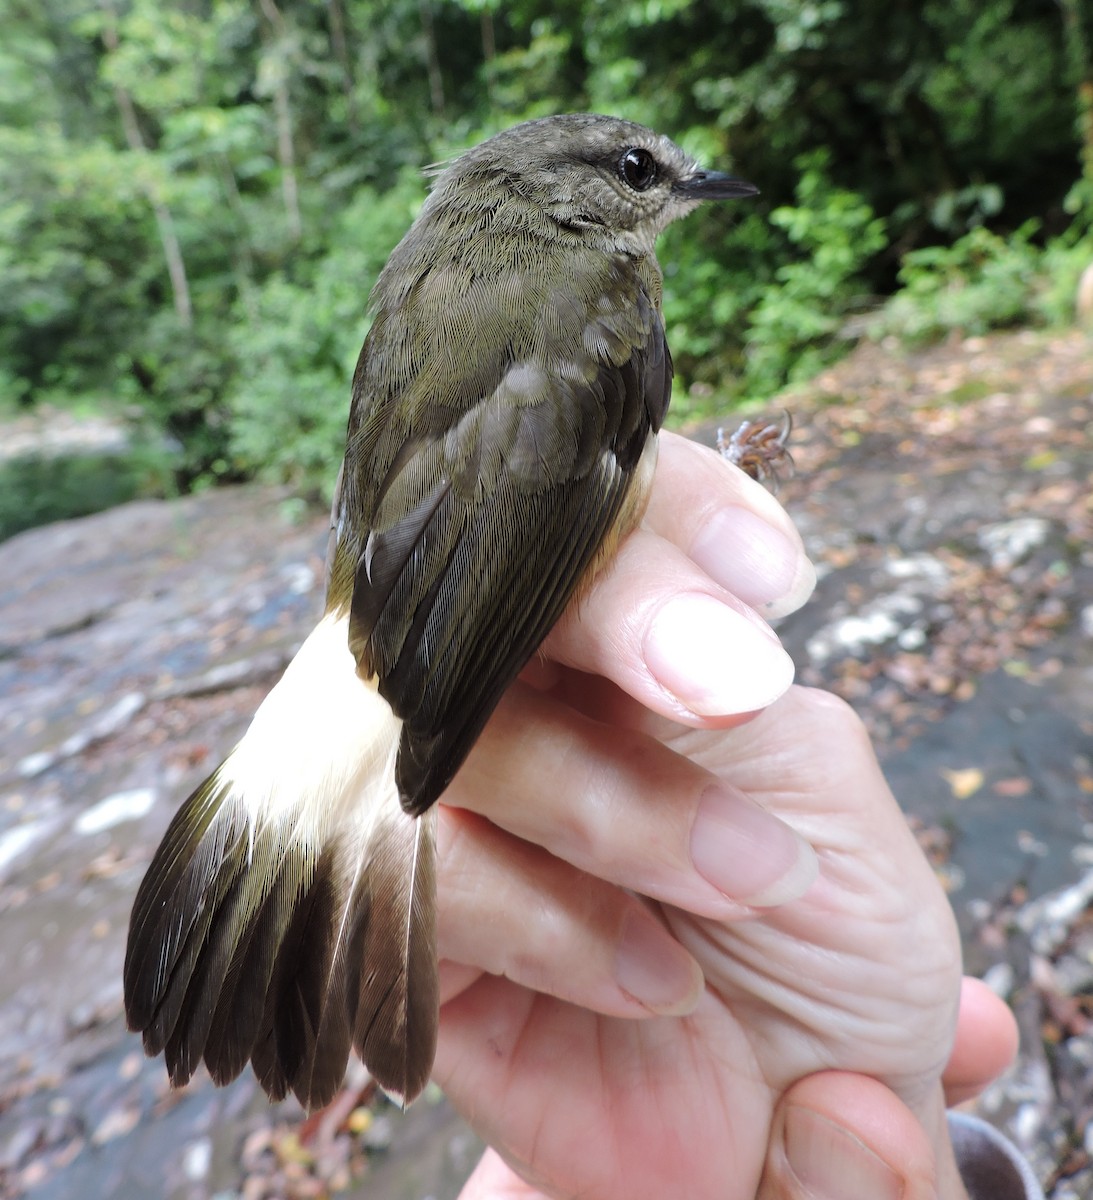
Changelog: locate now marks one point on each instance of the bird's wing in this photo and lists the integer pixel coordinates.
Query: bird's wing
(487, 488)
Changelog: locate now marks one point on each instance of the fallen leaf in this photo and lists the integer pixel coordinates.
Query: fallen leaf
(116, 1124)
(360, 1119)
(130, 1065)
(964, 782)
(1018, 785)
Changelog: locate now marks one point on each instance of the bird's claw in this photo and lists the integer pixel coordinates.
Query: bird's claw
(759, 448)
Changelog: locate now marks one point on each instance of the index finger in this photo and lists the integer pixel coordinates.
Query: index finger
(730, 526)
(667, 619)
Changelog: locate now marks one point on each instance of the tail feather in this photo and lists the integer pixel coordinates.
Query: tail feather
(303, 1042)
(175, 936)
(334, 1004)
(289, 912)
(167, 917)
(192, 996)
(395, 1030)
(240, 1006)
(286, 1037)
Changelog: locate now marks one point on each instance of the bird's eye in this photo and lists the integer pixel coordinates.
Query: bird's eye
(638, 168)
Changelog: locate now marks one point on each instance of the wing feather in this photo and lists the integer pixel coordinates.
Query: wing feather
(480, 492)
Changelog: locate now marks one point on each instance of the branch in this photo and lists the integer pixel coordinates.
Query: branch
(286, 151)
(432, 59)
(165, 225)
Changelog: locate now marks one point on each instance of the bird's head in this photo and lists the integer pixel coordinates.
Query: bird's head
(604, 179)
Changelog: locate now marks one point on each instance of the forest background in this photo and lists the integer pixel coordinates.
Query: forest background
(197, 195)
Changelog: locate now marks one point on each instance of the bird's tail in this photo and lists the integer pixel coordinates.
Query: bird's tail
(290, 910)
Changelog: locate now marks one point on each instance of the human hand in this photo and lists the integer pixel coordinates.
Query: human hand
(839, 1136)
(711, 536)
(577, 793)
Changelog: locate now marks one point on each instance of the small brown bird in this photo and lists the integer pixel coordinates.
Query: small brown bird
(501, 441)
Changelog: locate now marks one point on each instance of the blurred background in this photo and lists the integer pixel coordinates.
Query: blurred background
(195, 200)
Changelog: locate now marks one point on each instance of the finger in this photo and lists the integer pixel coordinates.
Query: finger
(601, 700)
(493, 1180)
(510, 909)
(584, 1106)
(456, 978)
(985, 1045)
(670, 620)
(655, 624)
(787, 756)
(838, 1136)
(626, 809)
(730, 526)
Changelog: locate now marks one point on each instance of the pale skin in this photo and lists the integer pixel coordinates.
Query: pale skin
(694, 1043)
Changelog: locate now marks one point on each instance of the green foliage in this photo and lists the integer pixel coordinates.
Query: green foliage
(34, 491)
(74, 254)
(795, 323)
(715, 265)
(983, 282)
(177, 379)
(295, 343)
(195, 198)
(1055, 287)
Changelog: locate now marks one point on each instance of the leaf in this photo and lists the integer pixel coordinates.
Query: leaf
(1017, 785)
(964, 782)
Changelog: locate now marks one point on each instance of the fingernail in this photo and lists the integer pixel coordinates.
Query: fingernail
(832, 1164)
(755, 561)
(747, 853)
(654, 969)
(714, 660)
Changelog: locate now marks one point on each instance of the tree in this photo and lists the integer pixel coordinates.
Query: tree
(196, 193)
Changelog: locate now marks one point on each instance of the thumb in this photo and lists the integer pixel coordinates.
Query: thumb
(838, 1136)
(494, 1180)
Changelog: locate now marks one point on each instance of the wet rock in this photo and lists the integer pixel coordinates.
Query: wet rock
(122, 806)
(52, 432)
(105, 725)
(899, 616)
(1011, 542)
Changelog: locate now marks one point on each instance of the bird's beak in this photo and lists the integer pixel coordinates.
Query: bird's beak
(713, 185)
